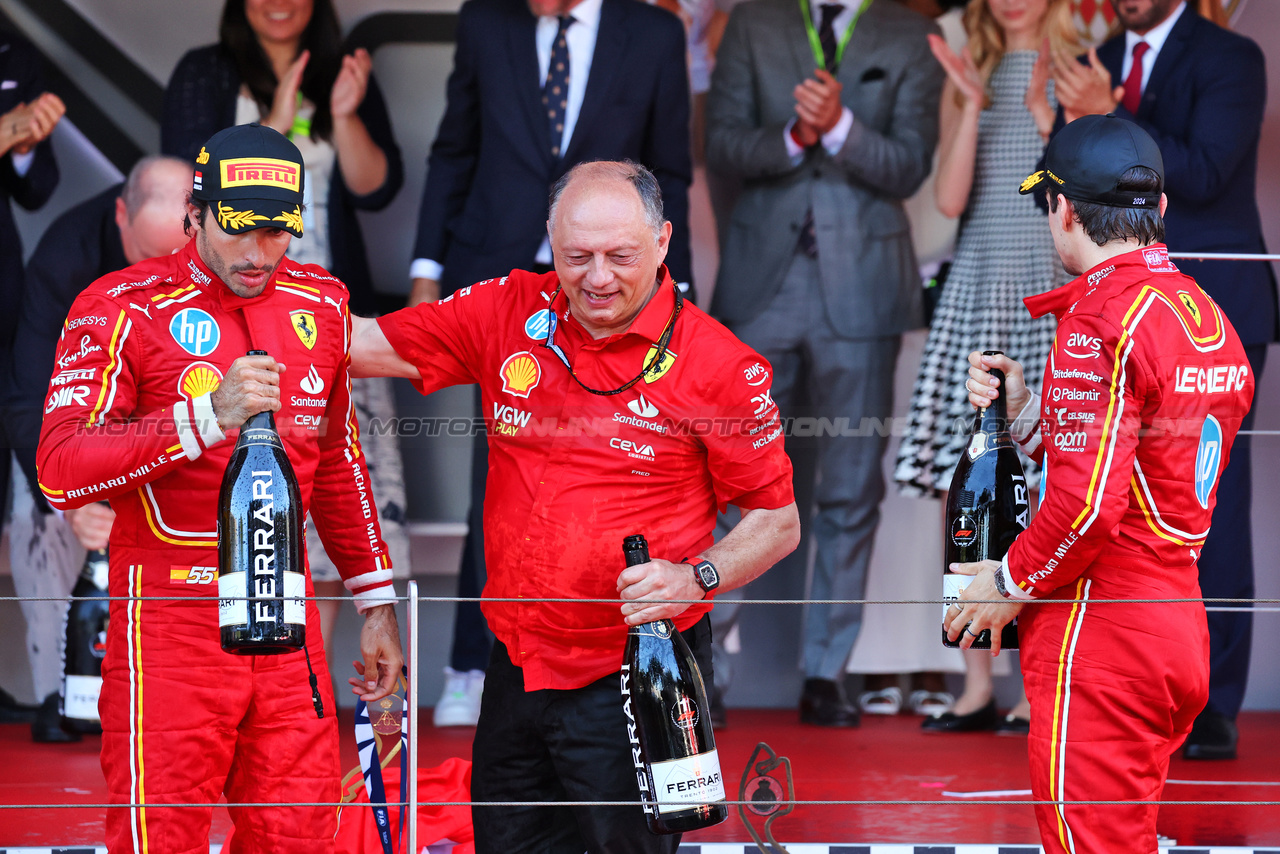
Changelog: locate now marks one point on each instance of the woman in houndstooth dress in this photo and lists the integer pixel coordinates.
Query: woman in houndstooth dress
(997, 110)
(1004, 252)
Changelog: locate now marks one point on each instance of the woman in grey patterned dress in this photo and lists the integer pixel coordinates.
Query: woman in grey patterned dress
(997, 110)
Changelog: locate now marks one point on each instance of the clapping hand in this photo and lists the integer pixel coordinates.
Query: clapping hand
(284, 107)
(350, 85)
(1037, 97)
(962, 72)
(1084, 89)
(818, 106)
(27, 125)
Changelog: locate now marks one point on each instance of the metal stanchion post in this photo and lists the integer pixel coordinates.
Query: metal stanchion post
(411, 703)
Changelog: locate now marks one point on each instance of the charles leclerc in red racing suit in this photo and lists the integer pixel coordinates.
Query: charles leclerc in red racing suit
(129, 419)
(1143, 393)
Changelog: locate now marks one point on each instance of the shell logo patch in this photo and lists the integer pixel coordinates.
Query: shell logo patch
(657, 371)
(199, 378)
(1190, 305)
(521, 374)
(304, 324)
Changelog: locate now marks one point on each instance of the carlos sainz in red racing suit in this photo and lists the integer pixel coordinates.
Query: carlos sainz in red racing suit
(131, 418)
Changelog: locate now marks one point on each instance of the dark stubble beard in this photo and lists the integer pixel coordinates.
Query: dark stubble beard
(220, 269)
(1144, 21)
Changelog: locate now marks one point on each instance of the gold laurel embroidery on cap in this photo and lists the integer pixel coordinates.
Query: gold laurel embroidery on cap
(229, 218)
(203, 157)
(292, 221)
(1031, 180)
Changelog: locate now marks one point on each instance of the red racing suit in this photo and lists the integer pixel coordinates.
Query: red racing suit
(128, 419)
(1143, 393)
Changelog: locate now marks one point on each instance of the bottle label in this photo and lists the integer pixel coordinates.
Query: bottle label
(980, 443)
(233, 609)
(80, 697)
(953, 584)
(295, 609)
(964, 530)
(688, 782)
(657, 629)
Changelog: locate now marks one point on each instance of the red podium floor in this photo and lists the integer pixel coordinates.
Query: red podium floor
(885, 759)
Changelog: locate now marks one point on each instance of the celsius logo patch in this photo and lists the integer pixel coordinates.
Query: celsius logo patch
(537, 325)
(642, 407)
(1208, 457)
(520, 374)
(311, 383)
(196, 331)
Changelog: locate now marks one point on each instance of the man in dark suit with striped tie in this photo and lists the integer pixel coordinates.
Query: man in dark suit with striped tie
(536, 88)
(1200, 91)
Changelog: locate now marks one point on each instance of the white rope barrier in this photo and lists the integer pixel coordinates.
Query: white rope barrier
(1224, 256)
(411, 709)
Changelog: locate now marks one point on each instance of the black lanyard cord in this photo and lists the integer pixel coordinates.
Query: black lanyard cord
(659, 355)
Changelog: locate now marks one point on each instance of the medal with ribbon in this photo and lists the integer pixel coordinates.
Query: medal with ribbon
(385, 717)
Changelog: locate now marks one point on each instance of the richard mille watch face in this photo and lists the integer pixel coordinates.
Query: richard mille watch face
(706, 574)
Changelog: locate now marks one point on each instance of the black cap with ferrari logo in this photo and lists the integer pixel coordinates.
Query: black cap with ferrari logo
(1086, 160)
(252, 177)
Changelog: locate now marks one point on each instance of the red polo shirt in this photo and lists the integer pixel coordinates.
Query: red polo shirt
(572, 473)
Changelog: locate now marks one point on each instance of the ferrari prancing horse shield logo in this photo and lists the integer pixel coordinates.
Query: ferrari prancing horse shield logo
(304, 323)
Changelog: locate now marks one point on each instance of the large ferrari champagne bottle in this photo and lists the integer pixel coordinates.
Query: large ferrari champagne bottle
(86, 642)
(668, 722)
(261, 578)
(987, 506)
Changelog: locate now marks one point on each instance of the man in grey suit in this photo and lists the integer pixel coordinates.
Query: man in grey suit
(828, 114)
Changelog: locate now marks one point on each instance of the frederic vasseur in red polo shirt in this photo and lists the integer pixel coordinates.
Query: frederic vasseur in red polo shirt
(614, 407)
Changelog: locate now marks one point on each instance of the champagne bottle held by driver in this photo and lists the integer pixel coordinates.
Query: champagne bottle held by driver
(669, 724)
(261, 577)
(987, 506)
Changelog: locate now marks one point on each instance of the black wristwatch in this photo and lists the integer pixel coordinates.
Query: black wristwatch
(1000, 588)
(704, 572)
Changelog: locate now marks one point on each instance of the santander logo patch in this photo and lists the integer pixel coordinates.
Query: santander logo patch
(311, 383)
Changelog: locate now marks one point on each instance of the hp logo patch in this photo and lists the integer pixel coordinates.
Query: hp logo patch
(1208, 459)
(537, 325)
(195, 331)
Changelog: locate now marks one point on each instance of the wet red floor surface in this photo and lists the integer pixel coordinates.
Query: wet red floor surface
(885, 759)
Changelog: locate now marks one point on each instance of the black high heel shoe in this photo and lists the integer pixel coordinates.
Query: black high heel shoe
(983, 719)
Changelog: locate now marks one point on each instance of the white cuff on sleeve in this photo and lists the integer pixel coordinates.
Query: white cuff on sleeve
(833, 140)
(186, 431)
(1015, 592)
(22, 162)
(206, 422)
(794, 151)
(425, 268)
(1025, 429)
